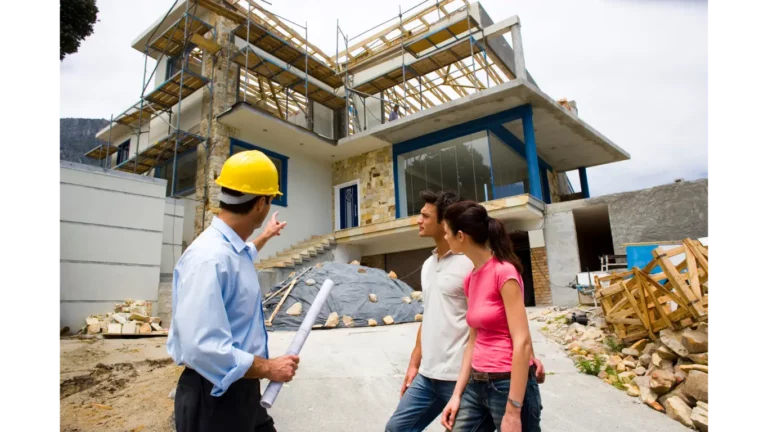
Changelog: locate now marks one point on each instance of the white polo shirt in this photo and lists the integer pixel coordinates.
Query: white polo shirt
(444, 330)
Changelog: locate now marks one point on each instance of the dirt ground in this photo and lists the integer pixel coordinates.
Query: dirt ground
(116, 385)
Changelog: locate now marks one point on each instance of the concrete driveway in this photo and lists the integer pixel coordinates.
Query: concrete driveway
(349, 380)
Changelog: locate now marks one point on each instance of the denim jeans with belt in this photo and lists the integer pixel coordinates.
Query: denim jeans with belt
(487, 400)
(421, 404)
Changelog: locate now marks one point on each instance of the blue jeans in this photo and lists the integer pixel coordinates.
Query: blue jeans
(421, 404)
(485, 401)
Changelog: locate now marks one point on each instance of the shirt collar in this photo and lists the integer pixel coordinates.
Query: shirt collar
(229, 234)
(447, 254)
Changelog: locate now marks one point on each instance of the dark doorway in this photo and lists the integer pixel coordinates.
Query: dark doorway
(593, 234)
(523, 251)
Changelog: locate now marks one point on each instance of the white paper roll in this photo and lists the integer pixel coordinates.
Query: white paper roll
(273, 388)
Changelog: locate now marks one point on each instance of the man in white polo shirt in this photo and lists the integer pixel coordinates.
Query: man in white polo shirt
(436, 359)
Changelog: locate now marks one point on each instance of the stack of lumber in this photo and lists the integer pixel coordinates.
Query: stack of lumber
(639, 304)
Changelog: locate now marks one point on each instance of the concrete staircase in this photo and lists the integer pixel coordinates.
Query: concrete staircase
(301, 254)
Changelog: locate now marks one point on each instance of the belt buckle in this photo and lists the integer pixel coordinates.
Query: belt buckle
(481, 376)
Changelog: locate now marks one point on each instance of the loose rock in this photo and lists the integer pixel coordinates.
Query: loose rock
(388, 320)
(700, 417)
(650, 347)
(678, 410)
(361, 270)
(392, 275)
(627, 377)
(662, 381)
(673, 340)
(417, 296)
(310, 282)
(696, 342)
(630, 352)
(332, 321)
(418, 317)
(696, 386)
(666, 353)
(372, 298)
(644, 360)
(696, 367)
(646, 394)
(348, 321)
(640, 345)
(406, 300)
(355, 262)
(295, 309)
(372, 322)
(702, 359)
(633, 391)
(602, 374)
(640, 371)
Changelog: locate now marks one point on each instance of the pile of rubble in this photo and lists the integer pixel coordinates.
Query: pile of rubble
(132, 317)
(669, 374)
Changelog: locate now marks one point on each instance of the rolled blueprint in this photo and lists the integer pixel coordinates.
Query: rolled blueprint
(273, 388)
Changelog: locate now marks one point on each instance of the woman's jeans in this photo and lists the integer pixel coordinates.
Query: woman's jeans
(485, 402)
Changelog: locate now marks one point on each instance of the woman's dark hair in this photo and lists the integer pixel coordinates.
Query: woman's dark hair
(241, 209)
(472, 219)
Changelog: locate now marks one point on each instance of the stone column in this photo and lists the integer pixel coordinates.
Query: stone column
(542, 290)
(210, 161)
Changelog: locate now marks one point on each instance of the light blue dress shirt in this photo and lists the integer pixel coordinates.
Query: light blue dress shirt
(218, 322)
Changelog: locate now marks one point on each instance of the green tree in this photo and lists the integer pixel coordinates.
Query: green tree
(76, 18)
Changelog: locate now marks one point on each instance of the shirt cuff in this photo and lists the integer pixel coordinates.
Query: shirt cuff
(243, 361)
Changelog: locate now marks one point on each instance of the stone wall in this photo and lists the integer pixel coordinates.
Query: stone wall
(165, 303)
(554, 188)
(540, 270)
(223, 97)
(377, 184)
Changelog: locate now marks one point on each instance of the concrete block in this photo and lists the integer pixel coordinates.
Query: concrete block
(156, 327)
(130, 327)
(115, 328)
(145, 328)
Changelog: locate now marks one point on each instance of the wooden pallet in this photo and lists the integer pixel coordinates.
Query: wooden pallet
(639, 304)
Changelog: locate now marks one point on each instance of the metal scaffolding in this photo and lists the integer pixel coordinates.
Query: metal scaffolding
(180, 43)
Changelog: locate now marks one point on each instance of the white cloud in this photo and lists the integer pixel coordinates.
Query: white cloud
(638, 70)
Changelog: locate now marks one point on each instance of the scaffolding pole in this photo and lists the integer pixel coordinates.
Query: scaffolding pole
(471, 52)
(310, 127)
(185, 58)
(402, 50)
(109, 143)
(141, 111)
(247, 50)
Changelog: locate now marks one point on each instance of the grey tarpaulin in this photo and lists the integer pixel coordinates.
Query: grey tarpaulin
(349, 297)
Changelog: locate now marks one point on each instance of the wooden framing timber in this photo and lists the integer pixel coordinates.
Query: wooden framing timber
(639, 304)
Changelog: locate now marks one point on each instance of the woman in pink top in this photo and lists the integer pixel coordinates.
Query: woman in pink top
(497, 386)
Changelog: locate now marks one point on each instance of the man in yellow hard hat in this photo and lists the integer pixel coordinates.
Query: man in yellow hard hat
(217, 329)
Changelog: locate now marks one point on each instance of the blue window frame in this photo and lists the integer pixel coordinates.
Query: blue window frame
(280, 161)
(186, 173)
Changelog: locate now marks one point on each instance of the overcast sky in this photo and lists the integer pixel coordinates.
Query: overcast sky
(637, 69)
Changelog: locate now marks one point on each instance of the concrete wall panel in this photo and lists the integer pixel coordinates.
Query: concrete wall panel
(562, 256)
(108, 208)
(91, 281)
(111, 232)
(94, 243)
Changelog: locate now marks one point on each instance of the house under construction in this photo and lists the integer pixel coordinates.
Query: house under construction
(232, 76)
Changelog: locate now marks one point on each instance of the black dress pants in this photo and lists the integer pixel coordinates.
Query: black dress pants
(237, 410)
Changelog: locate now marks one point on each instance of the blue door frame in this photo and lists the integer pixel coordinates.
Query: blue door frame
(493, 123)
(348, 217)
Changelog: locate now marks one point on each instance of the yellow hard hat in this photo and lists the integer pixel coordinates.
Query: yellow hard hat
(250, 172)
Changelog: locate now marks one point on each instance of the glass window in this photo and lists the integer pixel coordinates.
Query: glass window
(186, 173)
(280, 161)
(122, 151)
(461, 164)
(510, 171)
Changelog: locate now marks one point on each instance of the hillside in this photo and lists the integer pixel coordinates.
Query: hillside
(77, 136)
